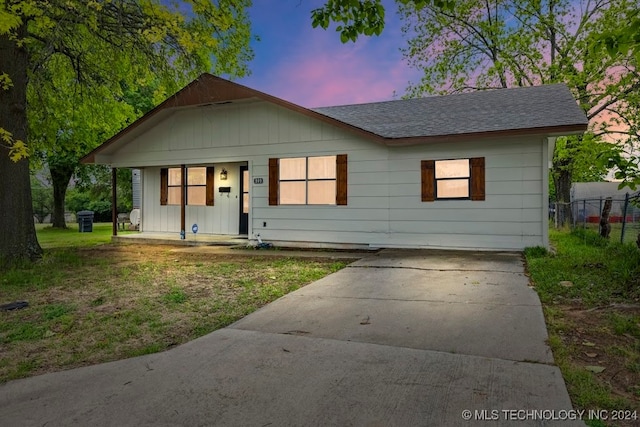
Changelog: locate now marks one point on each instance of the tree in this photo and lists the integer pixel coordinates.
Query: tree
(104, 43)
(589, 158)
(476, 45)
(626, 39)
(42, 195)
(92, 191)
(64, 128)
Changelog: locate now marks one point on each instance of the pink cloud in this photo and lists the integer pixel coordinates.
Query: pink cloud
(313, 68)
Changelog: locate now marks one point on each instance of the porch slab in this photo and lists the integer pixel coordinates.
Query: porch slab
(190, 240)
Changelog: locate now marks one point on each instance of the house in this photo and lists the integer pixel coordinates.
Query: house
(465, 171)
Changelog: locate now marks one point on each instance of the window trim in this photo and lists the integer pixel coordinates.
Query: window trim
(476, 180)
(340, 179)
(209, 186)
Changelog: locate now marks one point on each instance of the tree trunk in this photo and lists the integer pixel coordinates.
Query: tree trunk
(60, 176)
(17, 229)
(564, 214)
(605, 227)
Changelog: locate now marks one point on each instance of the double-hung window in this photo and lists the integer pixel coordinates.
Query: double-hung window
(198, 188)
(308, 181)
(453, 179)
(319, 180)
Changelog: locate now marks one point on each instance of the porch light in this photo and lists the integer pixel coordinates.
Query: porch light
(223, 175)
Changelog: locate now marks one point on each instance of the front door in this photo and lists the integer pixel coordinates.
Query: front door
(244, 200)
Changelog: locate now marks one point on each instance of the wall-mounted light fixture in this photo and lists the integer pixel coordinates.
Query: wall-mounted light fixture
(223, 175)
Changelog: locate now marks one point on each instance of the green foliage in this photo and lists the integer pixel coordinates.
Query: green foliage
(357, 17)
(85, 41)
(622, 38)
(600, 271)
(41, 198)
(93, 191)
(627, 169)
(83, 201)
(589, 156)
(75, 61)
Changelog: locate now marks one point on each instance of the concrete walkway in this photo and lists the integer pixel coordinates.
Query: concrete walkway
(404, 338)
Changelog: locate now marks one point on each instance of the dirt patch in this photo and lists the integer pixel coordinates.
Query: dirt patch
(605, 339)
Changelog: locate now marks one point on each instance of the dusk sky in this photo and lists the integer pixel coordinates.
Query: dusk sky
(311, 67)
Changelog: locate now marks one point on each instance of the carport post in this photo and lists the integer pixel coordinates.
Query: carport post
(183, 200)
(114, 202)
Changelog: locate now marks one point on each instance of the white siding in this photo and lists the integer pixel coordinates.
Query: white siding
(509, 218)
(221, 218)
(384, 204)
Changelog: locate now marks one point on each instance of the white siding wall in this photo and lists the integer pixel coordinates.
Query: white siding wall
(384, 206)
(510, 217)
(221, 218)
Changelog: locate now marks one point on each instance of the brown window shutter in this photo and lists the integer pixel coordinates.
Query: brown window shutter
(477, 178)
(428, 172)
(164, 186)
(341, 179)
(274, 176)
(210, 188)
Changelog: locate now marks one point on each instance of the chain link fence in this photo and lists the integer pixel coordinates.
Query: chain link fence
(624, 216)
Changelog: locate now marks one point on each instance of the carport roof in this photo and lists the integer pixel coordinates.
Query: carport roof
(545, 110)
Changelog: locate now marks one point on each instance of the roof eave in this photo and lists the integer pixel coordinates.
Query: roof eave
(564, 130)
(232, 91)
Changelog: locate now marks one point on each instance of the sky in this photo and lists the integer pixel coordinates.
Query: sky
(311, 67)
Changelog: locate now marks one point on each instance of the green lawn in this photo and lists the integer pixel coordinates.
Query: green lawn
(630, 232)
(56, 238)
(92, 301)
(590, 289)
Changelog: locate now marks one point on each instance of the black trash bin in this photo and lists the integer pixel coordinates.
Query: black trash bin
(85, 221)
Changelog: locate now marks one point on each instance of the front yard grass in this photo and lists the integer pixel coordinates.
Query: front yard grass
(590, 291)
(92, 302)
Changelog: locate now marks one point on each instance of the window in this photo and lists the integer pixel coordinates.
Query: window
(198, 188)
(318, 180)
(453, 179)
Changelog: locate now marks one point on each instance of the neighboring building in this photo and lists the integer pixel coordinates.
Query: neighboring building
(587, 201)
(465, 171)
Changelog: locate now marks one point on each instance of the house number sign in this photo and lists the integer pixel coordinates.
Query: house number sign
(258, 180)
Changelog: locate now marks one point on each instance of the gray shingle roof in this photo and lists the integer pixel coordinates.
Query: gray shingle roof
(475, 112)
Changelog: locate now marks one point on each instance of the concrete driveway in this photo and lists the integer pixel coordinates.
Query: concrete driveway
(403, 338)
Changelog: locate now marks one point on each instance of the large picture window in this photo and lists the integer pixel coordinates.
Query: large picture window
(320, 180)
(198, 188)
(453, 179)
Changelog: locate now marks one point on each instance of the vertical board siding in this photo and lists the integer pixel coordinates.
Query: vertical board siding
(385, 184)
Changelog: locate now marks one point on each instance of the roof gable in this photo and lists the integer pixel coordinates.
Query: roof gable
(548, 110)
